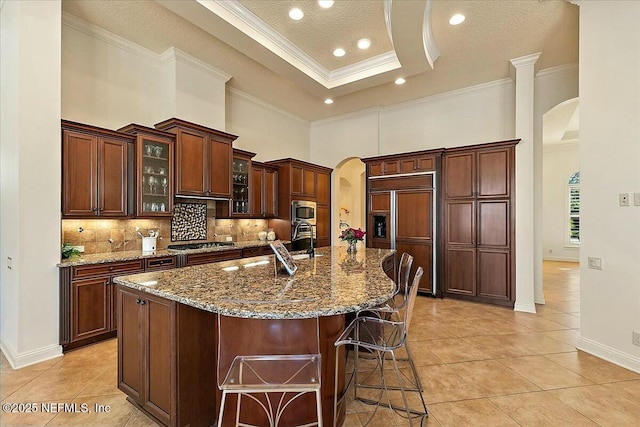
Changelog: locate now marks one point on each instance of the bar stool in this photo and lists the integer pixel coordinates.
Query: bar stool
(268, 381)
(381, 338)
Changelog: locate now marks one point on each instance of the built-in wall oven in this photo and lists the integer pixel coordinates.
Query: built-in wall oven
(303, 220)
(303, 210)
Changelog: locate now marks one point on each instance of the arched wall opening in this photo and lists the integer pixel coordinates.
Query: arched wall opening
(348, 197)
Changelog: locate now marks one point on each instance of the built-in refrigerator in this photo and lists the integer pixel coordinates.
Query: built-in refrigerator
(402, 216)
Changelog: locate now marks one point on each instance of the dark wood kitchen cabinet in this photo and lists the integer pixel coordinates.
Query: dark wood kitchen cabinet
(479, 222)
(87, 301)
(203, 159)
(154, 170)
(166, 358)
(298, 180)
(96, 170)
(405, 163)
(263, 191)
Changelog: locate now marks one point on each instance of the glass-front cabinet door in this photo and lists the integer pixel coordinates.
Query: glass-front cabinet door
(240, 179)
(155, 172)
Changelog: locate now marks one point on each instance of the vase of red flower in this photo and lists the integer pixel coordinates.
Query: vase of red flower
(352, 236)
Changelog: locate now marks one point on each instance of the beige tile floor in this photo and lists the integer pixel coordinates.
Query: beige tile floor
(480, 365)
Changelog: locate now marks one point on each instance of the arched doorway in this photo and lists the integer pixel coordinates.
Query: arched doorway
(348, 194)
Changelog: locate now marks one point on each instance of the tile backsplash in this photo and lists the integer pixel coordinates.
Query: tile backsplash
(118, 235)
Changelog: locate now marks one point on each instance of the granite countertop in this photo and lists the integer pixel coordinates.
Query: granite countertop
(133, 255)
(333, 282)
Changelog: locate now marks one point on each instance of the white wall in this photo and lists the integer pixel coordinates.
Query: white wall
(108, 81)
(264, 129)
(30, 150)
(609, 165)
(560, 161)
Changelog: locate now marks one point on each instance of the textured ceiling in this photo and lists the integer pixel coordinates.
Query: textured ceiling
(323, 30)
(477, 51)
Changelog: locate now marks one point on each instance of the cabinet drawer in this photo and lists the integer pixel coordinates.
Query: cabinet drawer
(110, 268)
(160, 263)
(257, 251)
(207, 257)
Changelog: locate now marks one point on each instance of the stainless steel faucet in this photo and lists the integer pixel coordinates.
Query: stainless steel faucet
(300, 222)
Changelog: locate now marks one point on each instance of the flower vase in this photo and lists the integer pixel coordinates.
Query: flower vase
(352, 249)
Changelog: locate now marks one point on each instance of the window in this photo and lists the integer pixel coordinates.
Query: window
(573, 186)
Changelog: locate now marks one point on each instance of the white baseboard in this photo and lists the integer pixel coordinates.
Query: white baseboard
(609, 354)
(552, 258)
(32, 357)
(527, 308)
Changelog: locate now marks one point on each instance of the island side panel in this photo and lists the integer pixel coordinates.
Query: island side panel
(283, 336)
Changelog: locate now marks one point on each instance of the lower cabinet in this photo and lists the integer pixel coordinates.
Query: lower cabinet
(166, 358)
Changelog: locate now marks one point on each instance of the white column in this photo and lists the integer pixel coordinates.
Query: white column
(523, 73)
(194, 91)
(30, 158)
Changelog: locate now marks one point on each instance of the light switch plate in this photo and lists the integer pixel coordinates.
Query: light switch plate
(595, 263)
(636, 199)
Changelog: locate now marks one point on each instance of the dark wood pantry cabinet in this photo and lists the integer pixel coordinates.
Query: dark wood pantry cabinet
(96, 167)
(203, 159)
(479, 222)
(166, 358)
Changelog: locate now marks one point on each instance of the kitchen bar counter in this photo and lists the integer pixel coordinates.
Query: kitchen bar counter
(168, 329)
(133, 255)
(333, 282)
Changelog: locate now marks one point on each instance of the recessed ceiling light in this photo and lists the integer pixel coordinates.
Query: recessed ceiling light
(339, 52)
(400, 81)
(296, 14)
(325, 4)
(364, 43)
(328, 101)
(456, 19)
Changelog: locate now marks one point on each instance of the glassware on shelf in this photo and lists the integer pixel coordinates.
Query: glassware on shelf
(149, 149)
(164, 186)
(158, 150)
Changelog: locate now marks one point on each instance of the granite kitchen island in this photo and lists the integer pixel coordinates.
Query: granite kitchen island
(167, 324)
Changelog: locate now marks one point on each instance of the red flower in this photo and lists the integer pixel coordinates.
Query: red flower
(352, 235)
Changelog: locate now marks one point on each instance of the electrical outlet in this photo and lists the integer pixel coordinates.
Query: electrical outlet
(636, 338)
(624, 199)
(9, 262)
(636, 199)
(79, 248)
(229, 239)
(595, 263)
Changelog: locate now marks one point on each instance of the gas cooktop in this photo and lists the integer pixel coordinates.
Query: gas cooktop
(202, 245)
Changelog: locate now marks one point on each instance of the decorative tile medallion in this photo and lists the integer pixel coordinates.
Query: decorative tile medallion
(189, 222)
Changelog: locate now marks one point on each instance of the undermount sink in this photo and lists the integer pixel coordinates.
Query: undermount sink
(303, 256)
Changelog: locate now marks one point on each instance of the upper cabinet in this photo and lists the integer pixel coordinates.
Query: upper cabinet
(96, 165)
(203, 159)
(263, 191)
(153, 171)
(407, 163)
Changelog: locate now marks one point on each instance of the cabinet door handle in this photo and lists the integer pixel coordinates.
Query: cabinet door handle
(138, 301)
(111, 268)
(142, 302)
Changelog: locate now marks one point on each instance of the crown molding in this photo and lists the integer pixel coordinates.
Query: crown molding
(555, 71)
(241, 18)
(353, 115)
(430, 49)
(96, 32)
(258, 101)
(173, 54)
(506, 82)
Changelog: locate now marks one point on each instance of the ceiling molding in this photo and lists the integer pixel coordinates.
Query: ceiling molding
(523, 61)
(173, 54)
(348, 116)
(555, 71)
(430, 49)
(241, 18)
(72, 21)
(506, 82)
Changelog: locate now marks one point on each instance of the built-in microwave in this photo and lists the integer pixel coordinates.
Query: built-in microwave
(303, 210)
